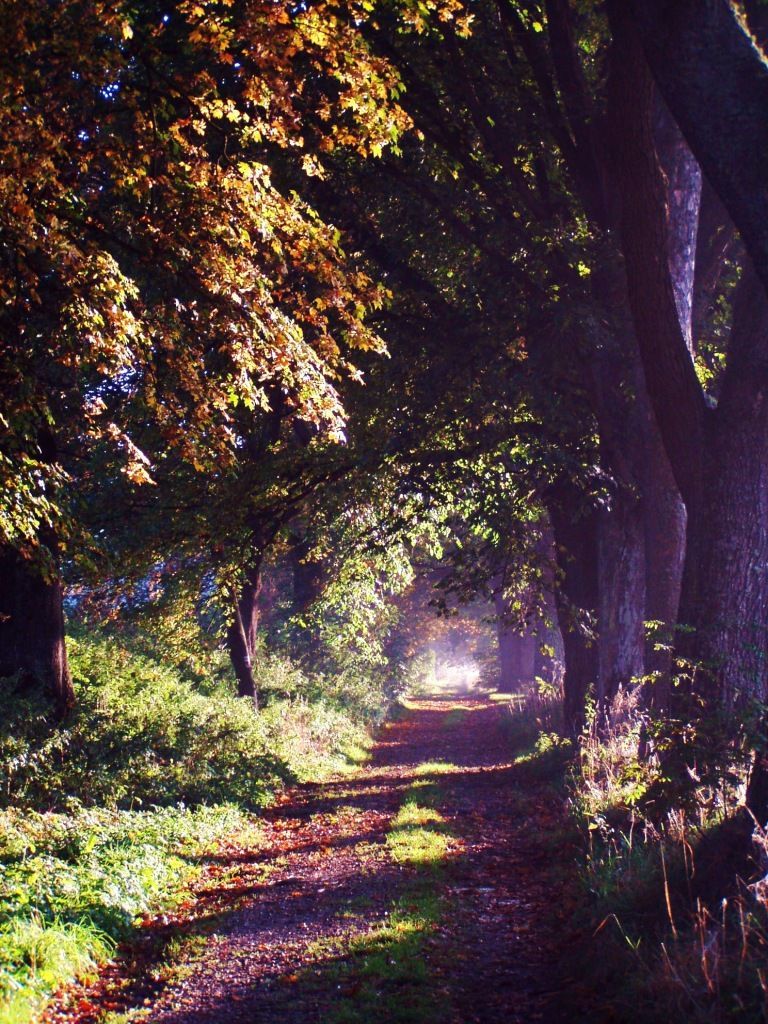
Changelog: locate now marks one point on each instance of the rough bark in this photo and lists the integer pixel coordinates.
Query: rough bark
(675, 392)
(665, 525)
(32, 643)
(720, 457)
(683, 192)
(642, 532)
(729, 610)
(550, 667)
(715, 82)
(621, 584)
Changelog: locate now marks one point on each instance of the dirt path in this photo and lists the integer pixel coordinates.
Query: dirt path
(330, 924)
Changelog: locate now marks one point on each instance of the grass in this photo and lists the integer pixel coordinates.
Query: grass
(418, 836)
(383, 977)
(36, 956)
(72, 885)
(675, 933)
(435, 768)
(151, 769)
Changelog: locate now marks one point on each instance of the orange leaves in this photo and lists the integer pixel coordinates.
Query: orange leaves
(151, 267)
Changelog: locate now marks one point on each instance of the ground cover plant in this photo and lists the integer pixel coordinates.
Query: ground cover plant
(105, 820)
(673, 892)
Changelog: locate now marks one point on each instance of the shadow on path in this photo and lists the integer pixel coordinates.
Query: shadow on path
(325, 868)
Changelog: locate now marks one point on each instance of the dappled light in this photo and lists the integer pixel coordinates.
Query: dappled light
(383, 512)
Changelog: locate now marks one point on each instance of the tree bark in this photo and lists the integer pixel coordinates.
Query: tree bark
(550, 666)
(683, 191)
(242, 634)
(727, 599)
(621, 585)
(720, 457)
(676, 395)
(576, 598)
(32, 642)
(715, 82)
(665, 526)
(517, 652)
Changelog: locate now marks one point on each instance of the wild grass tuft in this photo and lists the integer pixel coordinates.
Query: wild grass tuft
(671, 918)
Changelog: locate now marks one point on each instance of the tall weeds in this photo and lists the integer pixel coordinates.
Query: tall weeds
(677, 909)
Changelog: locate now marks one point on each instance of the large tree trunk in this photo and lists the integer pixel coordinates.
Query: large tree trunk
(720, 457)
(621, 585)
(242, 634)
(632, 455)
(664, 520)
(549, 664)
(726, 587)
(32, 642)
(715, 82)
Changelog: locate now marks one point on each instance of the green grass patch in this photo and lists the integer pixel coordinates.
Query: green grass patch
(418, 835)
(384, 976)
(435, 768)
(381, 974)
(71, 885)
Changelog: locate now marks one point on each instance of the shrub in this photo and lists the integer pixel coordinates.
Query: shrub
(149, 770)
(142, 734)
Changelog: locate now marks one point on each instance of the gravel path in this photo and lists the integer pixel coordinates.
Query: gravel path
(324, 868)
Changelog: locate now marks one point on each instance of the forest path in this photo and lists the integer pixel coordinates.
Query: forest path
(423, 888)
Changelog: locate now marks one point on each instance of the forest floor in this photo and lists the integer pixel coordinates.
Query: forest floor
(433, 884)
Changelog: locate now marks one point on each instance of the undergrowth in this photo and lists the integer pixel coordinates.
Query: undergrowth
(73, 884)
(103, 816)
(668, 874)
(144, 734)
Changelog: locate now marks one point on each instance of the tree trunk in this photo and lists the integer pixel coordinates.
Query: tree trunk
(549, 666)
(621, 585)
(32, 642)
(577, 601)
(720, 457)
(517, 652)
(715, 82)
(242, 634)
(726, 596)
(664, 520)
(683, 189)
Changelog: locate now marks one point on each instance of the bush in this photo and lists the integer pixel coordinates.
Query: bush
(150, 769)
(142, 734)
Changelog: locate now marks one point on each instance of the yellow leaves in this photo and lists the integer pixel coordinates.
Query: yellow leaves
(312, 166)
(237, 285)
(137, 465)
(137, 474)
(421, 15)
